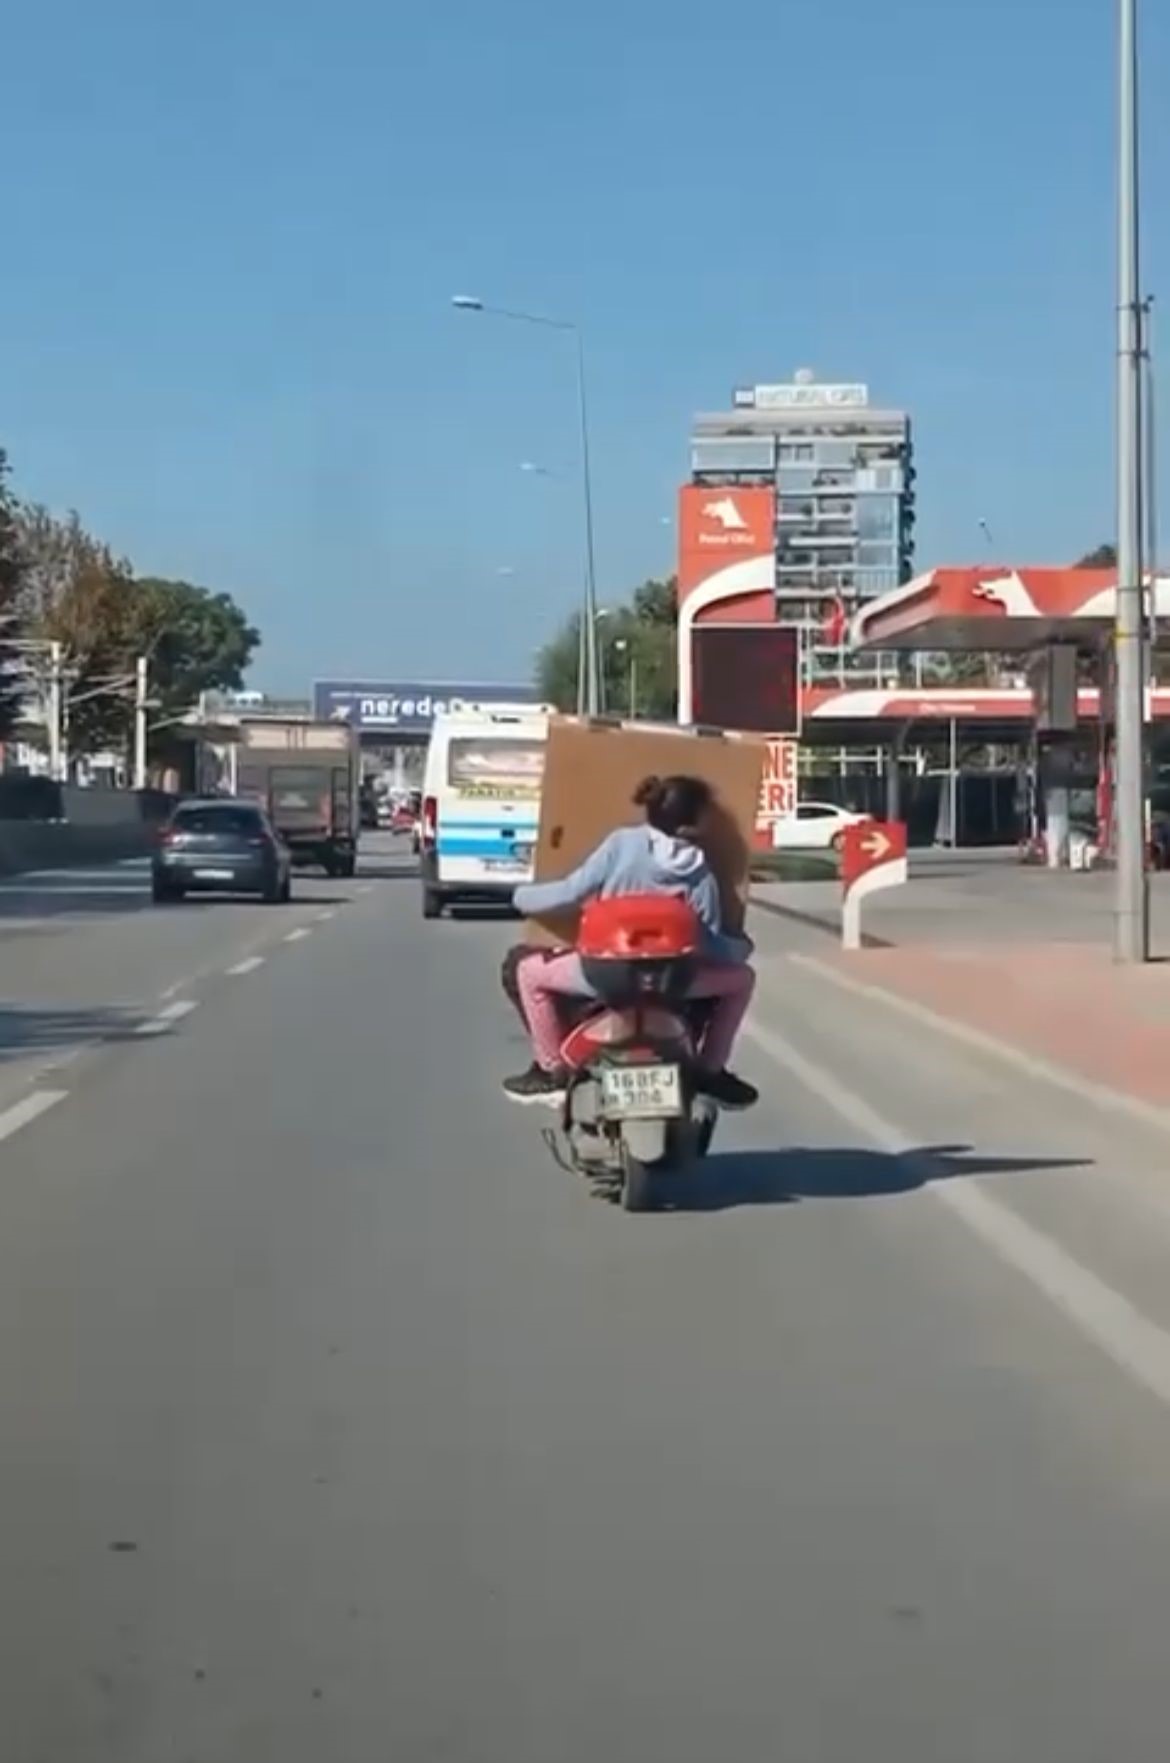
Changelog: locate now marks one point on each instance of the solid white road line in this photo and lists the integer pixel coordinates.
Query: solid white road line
(1031, 1064)
(1136, 1345)
(249, 965)
(28, 1109)
(297, 936)
(167, 1018)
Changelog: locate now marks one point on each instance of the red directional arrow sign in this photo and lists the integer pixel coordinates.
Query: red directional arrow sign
(868, 844)
(873, 857)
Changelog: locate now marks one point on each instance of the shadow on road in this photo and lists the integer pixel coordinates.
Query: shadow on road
(827, 925)
(783, 1177)
(28, 1029)
(405, 871)
(82, 901)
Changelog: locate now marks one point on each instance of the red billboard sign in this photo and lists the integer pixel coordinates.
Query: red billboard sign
(718, 527)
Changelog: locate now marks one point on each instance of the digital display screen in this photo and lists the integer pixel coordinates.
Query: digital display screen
(746, 676)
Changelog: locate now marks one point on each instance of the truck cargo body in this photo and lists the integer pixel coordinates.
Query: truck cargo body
(308, 775)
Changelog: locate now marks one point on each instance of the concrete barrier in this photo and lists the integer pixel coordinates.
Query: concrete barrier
(65, 826)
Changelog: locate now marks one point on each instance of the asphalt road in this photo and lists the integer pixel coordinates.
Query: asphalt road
(340, 1425)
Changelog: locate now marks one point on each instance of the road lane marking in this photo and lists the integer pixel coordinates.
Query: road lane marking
(1137, 1346)
(1031, 1064)
(167, 1018)
(324, 917)
(298, 936)
(248, 965)
(30, 1108)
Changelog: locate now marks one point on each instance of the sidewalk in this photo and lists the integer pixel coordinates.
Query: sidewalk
(1065, 1003)
(1020, 956)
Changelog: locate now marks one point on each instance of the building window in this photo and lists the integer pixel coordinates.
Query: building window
(795, 480)
(835, 452)
(877, 517)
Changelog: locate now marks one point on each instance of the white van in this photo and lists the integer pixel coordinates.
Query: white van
(481, 802)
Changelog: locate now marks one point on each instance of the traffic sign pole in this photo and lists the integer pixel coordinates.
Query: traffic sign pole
(873, 858)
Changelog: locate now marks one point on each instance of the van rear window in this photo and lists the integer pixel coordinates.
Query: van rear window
(481, 766)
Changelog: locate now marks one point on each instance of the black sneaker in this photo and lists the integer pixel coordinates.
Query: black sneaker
(728, 1090)
(534, 1086)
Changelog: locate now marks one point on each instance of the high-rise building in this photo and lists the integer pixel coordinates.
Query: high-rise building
(843, 474)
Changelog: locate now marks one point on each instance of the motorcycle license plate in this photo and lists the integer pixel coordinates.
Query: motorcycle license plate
(641, 1092)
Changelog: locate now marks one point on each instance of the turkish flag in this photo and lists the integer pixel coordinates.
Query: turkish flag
(836, 623)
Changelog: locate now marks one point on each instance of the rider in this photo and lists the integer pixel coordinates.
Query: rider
(662, 857)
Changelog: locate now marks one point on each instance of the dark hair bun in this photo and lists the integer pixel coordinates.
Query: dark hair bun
(648, 792)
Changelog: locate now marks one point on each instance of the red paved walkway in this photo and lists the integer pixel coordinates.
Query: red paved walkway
(1067, 1003)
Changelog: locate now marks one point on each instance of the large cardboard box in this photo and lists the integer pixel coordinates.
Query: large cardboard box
(591, 772)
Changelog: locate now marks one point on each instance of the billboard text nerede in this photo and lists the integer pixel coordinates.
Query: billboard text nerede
(407, 707)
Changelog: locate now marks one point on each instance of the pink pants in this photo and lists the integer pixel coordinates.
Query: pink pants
(540, 983)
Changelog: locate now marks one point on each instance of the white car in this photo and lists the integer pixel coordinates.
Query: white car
(816, 826)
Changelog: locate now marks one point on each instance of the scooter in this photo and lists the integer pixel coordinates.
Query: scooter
(632, 1115)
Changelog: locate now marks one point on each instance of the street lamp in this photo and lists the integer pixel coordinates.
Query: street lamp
(623, 646)
(589, 682)
(1132, 906)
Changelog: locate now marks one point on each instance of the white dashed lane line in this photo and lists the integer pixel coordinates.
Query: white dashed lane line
(297, 936)
(249, 965)
(29, 1108)
(324, 917)
(158, 1025)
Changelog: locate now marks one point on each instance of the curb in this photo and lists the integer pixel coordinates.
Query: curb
(1032, 1065)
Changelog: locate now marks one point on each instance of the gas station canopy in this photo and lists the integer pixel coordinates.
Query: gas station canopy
(995, 609)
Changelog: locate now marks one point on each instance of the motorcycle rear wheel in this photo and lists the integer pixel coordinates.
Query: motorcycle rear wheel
(637, 1183)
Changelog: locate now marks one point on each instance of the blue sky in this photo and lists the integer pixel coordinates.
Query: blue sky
(231, 232)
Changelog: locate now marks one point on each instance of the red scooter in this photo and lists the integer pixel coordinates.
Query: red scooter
(632, 1114)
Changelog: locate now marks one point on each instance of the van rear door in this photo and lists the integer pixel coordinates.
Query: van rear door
(489, 806)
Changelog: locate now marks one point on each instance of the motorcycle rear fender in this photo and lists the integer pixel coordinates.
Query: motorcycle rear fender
(647, 1139)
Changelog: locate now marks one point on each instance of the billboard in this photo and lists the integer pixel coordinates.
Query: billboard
(747, 676)
(406, 707)
(719, 528)
(779, 790)
(801, 396)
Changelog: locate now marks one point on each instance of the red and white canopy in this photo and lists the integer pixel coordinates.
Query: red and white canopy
(995, 608)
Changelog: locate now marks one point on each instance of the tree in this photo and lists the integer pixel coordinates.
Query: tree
(637, 644)
(93, 613)
(656, 603)
(196, 641)
(80, 595)
(1101, 557)
(12, 691)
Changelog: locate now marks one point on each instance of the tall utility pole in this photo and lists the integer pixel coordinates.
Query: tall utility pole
(1131, 919)
(140, 708)
(590, 683)
(56, 714)
(1150, 462)
(590, 693)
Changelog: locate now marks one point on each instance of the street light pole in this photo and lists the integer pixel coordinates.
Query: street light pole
(1131, 911)
(590, 687)
(593, 693)
(56, 717)
(140, 707)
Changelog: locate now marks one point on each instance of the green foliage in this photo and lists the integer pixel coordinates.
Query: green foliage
(76, 592)
(637, 645)
(1101, 557)
(197, 641)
